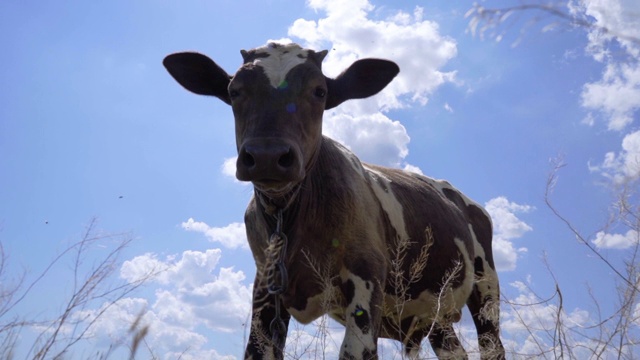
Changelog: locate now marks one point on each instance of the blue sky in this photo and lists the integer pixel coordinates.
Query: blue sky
(91, 125)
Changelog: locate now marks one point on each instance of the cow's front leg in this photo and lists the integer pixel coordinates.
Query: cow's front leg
(363, 298)
(262, 343)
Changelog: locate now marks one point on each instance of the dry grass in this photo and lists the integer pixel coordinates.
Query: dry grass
(92, 285)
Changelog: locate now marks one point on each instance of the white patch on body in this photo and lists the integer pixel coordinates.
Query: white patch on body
(381, 186)
(281, 59)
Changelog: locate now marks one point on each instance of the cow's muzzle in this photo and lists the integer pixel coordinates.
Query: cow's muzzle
(269, 163)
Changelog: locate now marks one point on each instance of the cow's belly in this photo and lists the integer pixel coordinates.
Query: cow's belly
(430, 307)
(317, 306)
(424, 310)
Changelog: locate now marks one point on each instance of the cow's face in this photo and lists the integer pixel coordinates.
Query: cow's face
(278, 97)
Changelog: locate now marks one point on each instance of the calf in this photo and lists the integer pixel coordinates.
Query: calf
(385, 252)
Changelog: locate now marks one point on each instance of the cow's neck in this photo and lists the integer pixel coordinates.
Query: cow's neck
(305, 195)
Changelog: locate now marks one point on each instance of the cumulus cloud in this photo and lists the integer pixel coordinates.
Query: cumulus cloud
(319, 340)
(231, 236)
(412, 168)
(615, 20)
(192, 297)
(350, 31)
(533, 313)
(617, 94)
(190, 292)
(229, 167)
(111, 318)
(406, 38)
(616, 241)
(624, 165)
(527, 320)
(194, 267)
(507, 227)
(112, 326)
(374, 138)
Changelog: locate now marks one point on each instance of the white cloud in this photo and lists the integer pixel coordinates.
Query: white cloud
(113, 327)
(189, 289)
(505, 254)
(506, 223)
(532, 313)
(589, 120)
(413, 169)
(201, 354)
(193, 296)
(529, 326)
(409, 40)
(507, 227)
(229, 167)
(319, 340)
(374, 138)
(193, 267)
(231, 236)
(141, 267)
(618, 17)
(616, 241)
(617, 94)
(448, 107)
(626, 164)
(415, 44)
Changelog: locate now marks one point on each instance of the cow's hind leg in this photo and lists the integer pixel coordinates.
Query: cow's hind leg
(485, 312)
(484, 305)
(445, 343)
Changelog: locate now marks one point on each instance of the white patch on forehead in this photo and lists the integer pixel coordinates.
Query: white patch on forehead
(281, 59)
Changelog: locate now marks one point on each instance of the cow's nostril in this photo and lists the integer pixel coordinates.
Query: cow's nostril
(247, 159)
(286, 160)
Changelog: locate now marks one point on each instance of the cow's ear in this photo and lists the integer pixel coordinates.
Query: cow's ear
(198, 74)
(364, 78)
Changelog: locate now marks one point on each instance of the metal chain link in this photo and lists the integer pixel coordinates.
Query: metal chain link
(277, 278)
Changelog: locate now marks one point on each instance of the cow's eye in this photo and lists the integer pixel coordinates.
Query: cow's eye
(233, 93)
(320, 92)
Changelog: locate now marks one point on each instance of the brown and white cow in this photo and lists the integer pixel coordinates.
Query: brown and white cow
(385, 252)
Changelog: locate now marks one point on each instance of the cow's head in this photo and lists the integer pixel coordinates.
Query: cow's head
(278, 97)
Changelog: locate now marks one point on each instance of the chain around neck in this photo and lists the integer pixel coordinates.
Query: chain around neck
(277, 279)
